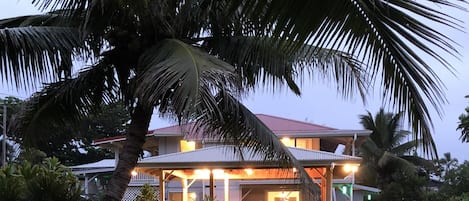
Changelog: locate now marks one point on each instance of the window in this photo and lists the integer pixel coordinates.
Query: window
(187, 145)
(308, 143)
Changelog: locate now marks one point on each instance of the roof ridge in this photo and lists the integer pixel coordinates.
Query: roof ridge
(323, 152)
(297, 121)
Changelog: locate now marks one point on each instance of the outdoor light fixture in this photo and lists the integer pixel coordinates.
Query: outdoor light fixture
(133, 173)
(249, 171)
(205, 173)
(351, 168)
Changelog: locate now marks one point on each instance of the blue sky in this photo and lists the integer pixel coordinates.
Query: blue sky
(320, 102)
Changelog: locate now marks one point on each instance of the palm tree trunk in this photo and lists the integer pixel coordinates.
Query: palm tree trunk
(140, 120)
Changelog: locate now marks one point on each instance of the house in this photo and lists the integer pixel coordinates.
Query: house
(187, 167)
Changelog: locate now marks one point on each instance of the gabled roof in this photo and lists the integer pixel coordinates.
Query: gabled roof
(224, 156)
(105, 165)
(280, 126)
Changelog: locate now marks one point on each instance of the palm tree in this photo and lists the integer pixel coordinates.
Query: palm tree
(464, 125)
(193, 59)
(387, 152)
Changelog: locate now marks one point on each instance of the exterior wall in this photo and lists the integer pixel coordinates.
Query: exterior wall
(168, 145)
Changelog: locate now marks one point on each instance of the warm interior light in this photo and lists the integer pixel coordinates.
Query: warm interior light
(294, 170)
(249, 171)
(218, 173)
(187, 145)
(133, 173)
(205, 173)
(350, 168)
(288, 142)
(202, 173)
(193, 196)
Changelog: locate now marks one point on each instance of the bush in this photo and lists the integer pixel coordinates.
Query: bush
(49, 181)
(147, 193)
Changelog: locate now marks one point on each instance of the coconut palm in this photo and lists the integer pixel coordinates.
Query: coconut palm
(192, 60)
(387, 152)
(464, 125)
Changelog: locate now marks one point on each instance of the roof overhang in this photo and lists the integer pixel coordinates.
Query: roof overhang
(226, 157)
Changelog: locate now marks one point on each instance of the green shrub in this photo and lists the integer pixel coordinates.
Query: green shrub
(147, 193)
(49, 181)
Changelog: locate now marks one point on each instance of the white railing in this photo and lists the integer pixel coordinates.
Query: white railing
(142, 178)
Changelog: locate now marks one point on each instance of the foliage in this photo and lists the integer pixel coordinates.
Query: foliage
(405, 187)
(463, 125)
(48, 181)
(462, 197)
(147, 193)
(192, 60)
(389, 160)
(72, 144)
(454, 180)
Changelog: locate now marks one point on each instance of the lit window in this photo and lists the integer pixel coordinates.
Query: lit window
(308, 143)
(187, 145)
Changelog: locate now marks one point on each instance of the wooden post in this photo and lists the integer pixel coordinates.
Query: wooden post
(329, 179)
(212, 185)
(185, 196)
(162, 186)
(227, 188)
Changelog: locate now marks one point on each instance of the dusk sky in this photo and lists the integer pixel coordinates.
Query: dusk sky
(321, 104)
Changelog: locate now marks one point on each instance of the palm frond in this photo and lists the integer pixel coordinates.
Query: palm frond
(463, 125)
(389, 35)
(390, 161)
(64, 103)
(234, 124)
(265, 60)
(32, 55)
(177, 75)
(406, 148)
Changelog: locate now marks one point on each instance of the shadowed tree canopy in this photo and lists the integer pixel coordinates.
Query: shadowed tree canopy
(389, 159)
(191, 60)
(72, 144)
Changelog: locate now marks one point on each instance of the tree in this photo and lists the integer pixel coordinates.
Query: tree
(12, 106)
(389, 161)
(72, 145)
(464, 125)
(191, 60)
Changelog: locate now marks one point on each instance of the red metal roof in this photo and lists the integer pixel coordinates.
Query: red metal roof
(278, 125)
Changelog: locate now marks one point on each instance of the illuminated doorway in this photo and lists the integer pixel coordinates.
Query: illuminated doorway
(283, 196)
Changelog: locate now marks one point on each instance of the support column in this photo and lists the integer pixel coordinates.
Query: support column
(329, 179)
(323, 187)
(185, 196)
(227, 188)
(162, 186)
(86, 184)
(212, 185)
(116, 156)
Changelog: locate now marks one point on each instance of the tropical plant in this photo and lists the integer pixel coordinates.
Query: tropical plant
(72, 144)
(46, 181)
(446, 164)
(147, 193)
(191, 60)
(463, 125)
(387, 156)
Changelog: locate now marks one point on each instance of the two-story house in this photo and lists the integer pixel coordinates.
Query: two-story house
(186, 167)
